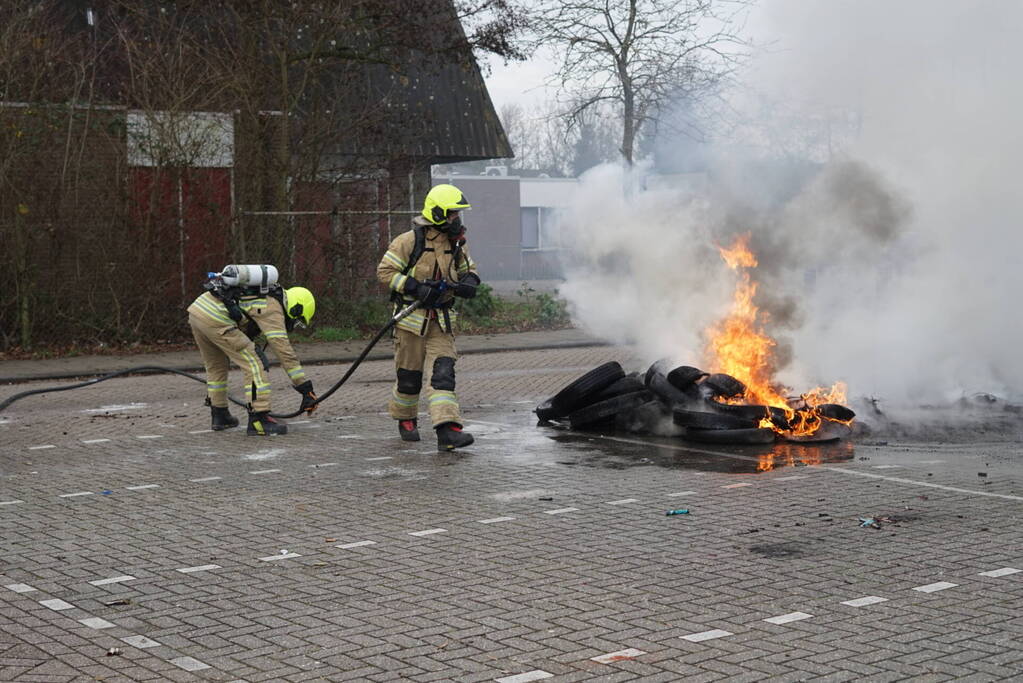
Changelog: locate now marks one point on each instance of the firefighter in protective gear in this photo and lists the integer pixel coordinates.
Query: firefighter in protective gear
(227, 323)
(431, 265)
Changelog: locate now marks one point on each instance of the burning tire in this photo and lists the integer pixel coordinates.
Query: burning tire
(658, 384)
(726, 386)
(684, 377)
(698, 419)
(626, 385)
(835, 411)
(583, 390)
(732, 436)
(753, 412)
(609, 408)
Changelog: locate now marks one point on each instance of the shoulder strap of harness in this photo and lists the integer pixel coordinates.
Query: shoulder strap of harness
(417, 248)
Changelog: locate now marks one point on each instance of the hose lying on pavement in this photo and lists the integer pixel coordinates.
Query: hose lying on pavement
(157, 368)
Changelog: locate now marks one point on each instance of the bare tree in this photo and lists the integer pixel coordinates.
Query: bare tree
(640, 56)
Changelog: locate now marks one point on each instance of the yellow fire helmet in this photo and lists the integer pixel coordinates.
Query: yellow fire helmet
(300, 304)
(440, 200)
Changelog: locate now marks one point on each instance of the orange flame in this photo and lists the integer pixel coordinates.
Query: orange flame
(739, 346)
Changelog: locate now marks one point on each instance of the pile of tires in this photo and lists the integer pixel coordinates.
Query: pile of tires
(683, 401)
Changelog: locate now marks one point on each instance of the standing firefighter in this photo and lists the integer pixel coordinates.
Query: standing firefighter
(429, 264)
(242, 304)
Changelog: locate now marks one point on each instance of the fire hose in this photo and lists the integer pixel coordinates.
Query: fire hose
(397, 317)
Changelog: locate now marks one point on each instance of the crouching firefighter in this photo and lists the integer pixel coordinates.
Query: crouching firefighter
(243, 305)
(431, 265)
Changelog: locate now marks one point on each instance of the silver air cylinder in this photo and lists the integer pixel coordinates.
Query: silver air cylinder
(262, 276)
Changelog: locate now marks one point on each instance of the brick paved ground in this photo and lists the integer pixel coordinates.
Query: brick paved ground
(339, 553)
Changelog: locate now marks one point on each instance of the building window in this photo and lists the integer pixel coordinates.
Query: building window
(530, 227)
(540, 228)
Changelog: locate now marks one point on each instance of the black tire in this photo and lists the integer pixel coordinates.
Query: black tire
(720, 384)
(544, 412)
(835, 411)
(608, 408)
(587, 387)
(684, 377)
(660, 367)
(699, 419)
(644, 418)
(731, 436)
(626, 385)
(665, 391)
(750, 412)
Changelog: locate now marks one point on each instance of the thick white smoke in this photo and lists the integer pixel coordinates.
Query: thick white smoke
(893, 265)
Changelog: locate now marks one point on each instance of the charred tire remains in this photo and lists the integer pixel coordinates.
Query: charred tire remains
(599, 412)
(583, 391)
(701, 420)
(736, 436)
(726, 386)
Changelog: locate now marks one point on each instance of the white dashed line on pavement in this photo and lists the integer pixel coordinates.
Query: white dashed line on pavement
(200, 568)
(205, 479)
(282, 556)
(20, 588)
(142, 486)
(201, 431)
(41, 448)
(786, 618)
(1004, 571)
(623, 501)
(886, 467)
(385, 457)
(931, 462)
(189, 664)
(495, 520)
(736, 486)
(934, 587)
(56, 604)
(681, 493)
(534, 675)
(706, 635)
(324, 464)
(560, 511)
(11, 502)
(864, 601)
(791, 478)
(357, 544)
(427, 532)
(75, 495)
(141, 642)
(150, 436)
(619, 656)
(263, 471)
(116, 579)
(95, 440)
(96, 623)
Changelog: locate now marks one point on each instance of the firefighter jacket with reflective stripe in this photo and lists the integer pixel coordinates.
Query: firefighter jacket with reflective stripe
(267, 314)
(437, 262)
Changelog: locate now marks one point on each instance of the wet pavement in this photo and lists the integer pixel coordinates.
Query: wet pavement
(338, 552)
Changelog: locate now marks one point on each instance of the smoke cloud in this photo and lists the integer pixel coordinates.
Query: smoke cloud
(888, 250)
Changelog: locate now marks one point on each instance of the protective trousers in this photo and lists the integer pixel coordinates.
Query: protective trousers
(220, 344)
(411, 353)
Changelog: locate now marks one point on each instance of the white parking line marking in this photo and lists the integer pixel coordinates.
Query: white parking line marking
(150, 436)
(911, 482)
(96, 623)
(682, 493)
(864, 601)
(74, 495)
(933, 587)
(189, 663)
(298, 422)
(41, 448)
(350, 436)
(385, 457)
(324, 464)
(623, 501)
(560, 511)
(792, 478)
(95, 440)
(200, 568)
(706, 635)
(282, 556)
(116, 579)
(930, 462)
(495, 520)
(886, 467)
(737, 486)
(263, 471)
(201, 431)
(427, 532)
(786, 618)
(534, 675)
(140, 642)
(522, 403)
(20, 588)
(56, 604)
(621, 655)
(205, 479)
(1004, 571)
(357, 544)
(142, 486)
(11, 502)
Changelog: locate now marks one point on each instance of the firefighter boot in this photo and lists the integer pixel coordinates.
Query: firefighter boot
(222, 419)
(261, 424)
(450, 436)
(409, 429)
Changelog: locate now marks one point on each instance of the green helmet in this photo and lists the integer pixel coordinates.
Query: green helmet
(442, 199)
(300, 304)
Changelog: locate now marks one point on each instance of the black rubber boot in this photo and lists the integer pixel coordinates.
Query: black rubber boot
(222, 419)
(450, 436)
(261, 424)
(409, 430)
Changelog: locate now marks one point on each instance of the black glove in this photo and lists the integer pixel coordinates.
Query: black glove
(309, 403)
(466, 285)
(233, 311)
(427, 294)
